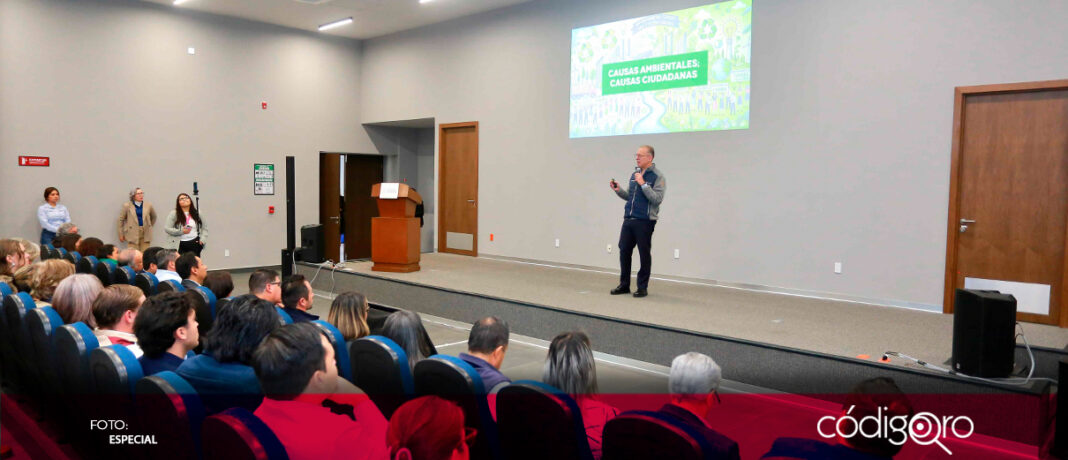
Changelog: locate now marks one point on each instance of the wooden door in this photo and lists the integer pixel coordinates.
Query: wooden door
(1009, 196)
(361, 172)
(458, 192)
(330, 203)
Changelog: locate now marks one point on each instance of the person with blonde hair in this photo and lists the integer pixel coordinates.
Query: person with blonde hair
(47, 276)
(31, 249)
(12, 257)
(74, 297)
(348, 313)
(23, 277)
(136, 220)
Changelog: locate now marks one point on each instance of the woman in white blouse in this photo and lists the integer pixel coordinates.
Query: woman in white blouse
(51, 215)
(185, 230)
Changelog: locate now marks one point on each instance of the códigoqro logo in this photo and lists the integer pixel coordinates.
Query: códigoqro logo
(923, 428)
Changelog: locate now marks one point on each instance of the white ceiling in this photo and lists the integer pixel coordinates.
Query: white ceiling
(371, 18)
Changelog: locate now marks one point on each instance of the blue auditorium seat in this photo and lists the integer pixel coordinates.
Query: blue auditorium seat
(283, 317)
(560, 433)
(48, 251)
(105, 271)
(60, 254)
(115, 372)
(125, 275)
(171, 286)
(380, 368)
(169, 408)
(341, 349)
(451, 378)
(73, 343)
(7, 343)
(148, 283)
(15, 308)
(5, 290)
(87, 265)
(73, 257)
(41, 323)
(238, 434)
(641, 435)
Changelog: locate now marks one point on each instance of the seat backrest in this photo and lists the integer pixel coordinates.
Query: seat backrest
(237, 434)
(73, 257)
(148, 283)
(341, 349)
(125, 275)
(60, 254)
(205, 307)
(170, 286)
(114, 370)
(87, 265)
(15, 308)
(5, 290)
(73, 343)
(46, 251)
(380, 369)
(169, 408)
(105, 271)
(7, 345)
(640, 435)
(40, 324)
(451, 378)
(283, 317)
(560, 432)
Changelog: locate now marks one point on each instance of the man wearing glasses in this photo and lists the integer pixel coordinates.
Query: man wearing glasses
(267, 285)
(643, 194)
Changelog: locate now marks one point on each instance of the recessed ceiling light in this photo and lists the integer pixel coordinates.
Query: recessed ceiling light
(335, 24)
(425, 1)
(179, 2)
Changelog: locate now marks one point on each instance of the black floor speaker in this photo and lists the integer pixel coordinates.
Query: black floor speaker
(984, 339)
(311, 239)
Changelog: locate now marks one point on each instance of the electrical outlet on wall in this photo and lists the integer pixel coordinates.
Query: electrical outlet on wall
(676, 253)
(558, 242)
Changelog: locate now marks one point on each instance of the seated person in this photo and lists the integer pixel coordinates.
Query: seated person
(115, 310)
(222, 374)
(22, 280)
(267, 285)
(66, 229)
(693, 384)
(74, 297)
(297, 297)
(69, 242)
(191, 269)
(32, 250)
(429, 428)
(149, 258)
(348, 313)
(406, 329)
(220, 283)
(570, 367)
(12, 258)
(866, 399)
(47, 276)
(486, 346)
(166, 329)
(108, 253)
(132, 258)
(296, 368)
(165, 265)
(90, 247)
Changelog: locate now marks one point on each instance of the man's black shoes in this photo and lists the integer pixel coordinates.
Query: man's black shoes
(620, 290)
(641, 293)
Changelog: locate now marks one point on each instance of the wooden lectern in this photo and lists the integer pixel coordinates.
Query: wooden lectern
(395, 235)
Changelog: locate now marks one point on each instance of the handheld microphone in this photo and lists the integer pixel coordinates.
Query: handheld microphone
(195, 191)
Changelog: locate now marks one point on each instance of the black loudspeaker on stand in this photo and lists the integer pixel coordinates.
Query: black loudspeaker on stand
(984, 333)
(311, 242)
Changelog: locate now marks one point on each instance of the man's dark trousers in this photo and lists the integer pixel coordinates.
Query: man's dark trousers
(635, 232)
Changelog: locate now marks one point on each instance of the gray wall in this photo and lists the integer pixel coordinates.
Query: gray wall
(847, 158)
(409, 159)
(107, 90)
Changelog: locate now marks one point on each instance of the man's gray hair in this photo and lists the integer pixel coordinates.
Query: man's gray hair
(165, 257)
(693, 374)
(66, 229)
(127, 256)
(133, 192)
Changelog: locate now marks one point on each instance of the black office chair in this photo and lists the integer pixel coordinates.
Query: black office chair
(559, 433)
(380, 369)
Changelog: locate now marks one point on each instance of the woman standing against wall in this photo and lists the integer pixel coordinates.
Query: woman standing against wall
(184, 226)
(136, 220)
(51, 215)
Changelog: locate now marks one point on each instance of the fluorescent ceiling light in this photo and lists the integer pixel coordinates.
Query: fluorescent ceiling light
(179, 2)
(425, 1)
(335, 24)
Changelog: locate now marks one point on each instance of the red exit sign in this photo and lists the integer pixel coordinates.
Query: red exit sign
(33, 161)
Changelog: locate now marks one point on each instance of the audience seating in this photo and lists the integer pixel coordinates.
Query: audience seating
(73, 257)
(169, 408)
(451, 378)
(7, 344)
(15, 308)
(148, 283)
(380, 369)
(87, 265)
(47, 251)
(114, 371)
(237, 434)
(73, 343)
(341, 349)
(41, 323)
(283, 317)
(105, 270)
(125, 275)
(640, 435)
(560, 432)
(60, 254)
(171, 286)
(5, 290)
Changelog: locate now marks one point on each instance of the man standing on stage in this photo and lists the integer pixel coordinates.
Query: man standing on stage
(643, 196)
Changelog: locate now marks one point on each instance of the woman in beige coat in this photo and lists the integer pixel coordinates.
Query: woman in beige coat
(136, 220)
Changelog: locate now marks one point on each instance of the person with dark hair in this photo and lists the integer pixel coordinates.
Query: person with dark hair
(222, 374)
(107, 253)
(348, 313)
(297, 296)
(69, 242)
(406, 329)
(149, 258)
(570, 367)
(644, 193)
(51, 215)
(220, 283)
(429, 428)
(166, 266)
(135, 220)
(115, 310)
(872, 398)
(296, 368)
(267, 285)
(694, 386)
(90, 247)
(192, 269)
(184, 226)
(486, 346)
(167, 330)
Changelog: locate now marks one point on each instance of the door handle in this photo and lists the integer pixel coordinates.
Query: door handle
(964, 223)
(335, 218)
(471, 201)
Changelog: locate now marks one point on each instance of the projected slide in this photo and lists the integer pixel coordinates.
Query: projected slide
(685, 70)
